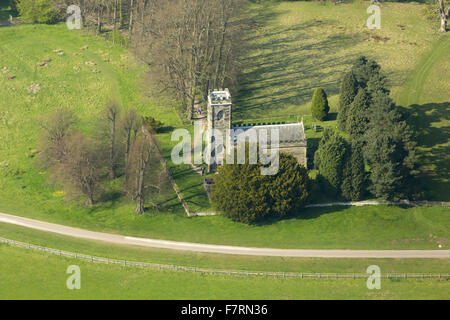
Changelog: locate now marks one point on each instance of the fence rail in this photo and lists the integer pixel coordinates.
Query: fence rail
(157, 266)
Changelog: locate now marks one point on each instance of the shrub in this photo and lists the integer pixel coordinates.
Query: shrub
(390, 151)
(242, 194)
(320, 107)
(358, 116)
(330, 159)
(37, 11)
(349, 88)
(354, 174)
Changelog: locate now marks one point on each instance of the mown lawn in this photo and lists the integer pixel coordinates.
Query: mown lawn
(217, 261)
(296, 47)
(427, 95)
(25, 191)
(40, 276)
(371, 227)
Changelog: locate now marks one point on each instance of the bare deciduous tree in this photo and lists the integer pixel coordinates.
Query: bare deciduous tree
(191, 45)
(111, 114)
(130, 123)
(143, 172)
(57, 126)
(79, 170)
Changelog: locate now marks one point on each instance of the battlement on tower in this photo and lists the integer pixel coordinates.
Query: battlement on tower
(219, 97)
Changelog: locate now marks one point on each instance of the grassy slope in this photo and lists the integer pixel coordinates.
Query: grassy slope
(39, 276)
(299, 46)
(427, 93)
(217, 261)
(25, 192)
(378, 227)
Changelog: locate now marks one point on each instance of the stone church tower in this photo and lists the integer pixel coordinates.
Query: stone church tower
(292, 137)
(219, 119)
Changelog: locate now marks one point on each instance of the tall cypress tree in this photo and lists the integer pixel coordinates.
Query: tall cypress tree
(319, 106)
(389, 150)
(354, 173)
(349, 88)
(358, 116)
(330, 159)
(364, 69)
(377, 84)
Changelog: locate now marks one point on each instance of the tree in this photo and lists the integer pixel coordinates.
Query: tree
(13, 4)
(349, 88)
(377, 84)
(358, 115)
(354, 174)
(330, 159)
(192, 45)
(130, 123)
(364, 69)
(57, 126)
(290, 188)
(80, 169)
(444, 16)
(37, 11)
(320, 107)
(242, 194)
(143, 171)
(111, 115)
(389, 150)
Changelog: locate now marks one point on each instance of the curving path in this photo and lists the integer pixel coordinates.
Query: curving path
(208, 248)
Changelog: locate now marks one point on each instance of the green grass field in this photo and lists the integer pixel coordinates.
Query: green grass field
(217, 261)
(298, 46)
(40, 276)
(293, 48)
(289, 29)
(371, 227)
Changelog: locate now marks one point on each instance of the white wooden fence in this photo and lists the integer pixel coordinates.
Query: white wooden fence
(157, 266)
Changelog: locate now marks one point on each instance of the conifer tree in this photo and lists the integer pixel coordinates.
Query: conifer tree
(349, 88)
(358, 116)
(320, 107)
(389, 150)
(330, 159)
(354, 174)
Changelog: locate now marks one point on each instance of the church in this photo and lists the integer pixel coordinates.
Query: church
(292, 138)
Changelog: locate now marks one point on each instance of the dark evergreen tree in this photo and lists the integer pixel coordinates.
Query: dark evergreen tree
(354, 174)
(377, 84)
(364, 69)
(389, 151)
(358, 116)
(242, 194)
(349, 88)
(320, 107)
(330, 159)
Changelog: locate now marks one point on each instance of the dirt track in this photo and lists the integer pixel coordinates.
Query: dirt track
(222, 249)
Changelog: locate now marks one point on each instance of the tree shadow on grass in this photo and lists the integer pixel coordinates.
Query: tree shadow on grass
(288, 66)
(430, 123)
(302, 214)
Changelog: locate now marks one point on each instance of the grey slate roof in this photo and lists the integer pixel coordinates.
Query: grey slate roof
(292, 132)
